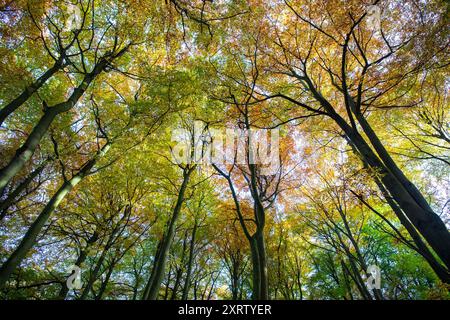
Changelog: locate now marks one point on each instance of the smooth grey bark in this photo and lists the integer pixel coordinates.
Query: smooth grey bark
(420, 246)
(29, 240)
(29, 90)
(390, 163)
(425, 221)
(262, 255)
(26, 151)
(155, 260)
(152, 289)
(259, 235)
(30, 237)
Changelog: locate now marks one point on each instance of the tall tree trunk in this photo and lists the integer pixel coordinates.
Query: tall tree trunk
(213, 284)
(420, 246)
(256, 269)
(442, 273)
(260, 219)
(179, 270)
(154, 283)
(256, 241)
(30, 237)
(178, 274)
(235, 281)
(26, 151)
(298, 275)
(428, 223)
(187, 281)
(155, 261)
(405, 194)
(262, 260)
(411, 200)
(29, 90)
(390, 163)
(169, 278)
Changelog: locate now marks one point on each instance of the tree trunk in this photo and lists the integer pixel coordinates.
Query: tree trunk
(30, 237)
(405, 194)
(93, 275)
(154, 284)
(29, 90)
(26, 151)
(410, 199)
(187, 282)
(421, 247)
(235, 282)
(169, 278)
(428, 223)
(263, 290)
(256, 267)
(179, 270)
(178, 274)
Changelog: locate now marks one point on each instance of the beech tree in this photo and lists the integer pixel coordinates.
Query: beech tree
(261, 149)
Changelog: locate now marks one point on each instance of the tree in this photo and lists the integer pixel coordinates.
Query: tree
(335, 73)
(203, 150)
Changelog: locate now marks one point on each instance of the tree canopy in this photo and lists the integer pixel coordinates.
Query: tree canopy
(233, 149)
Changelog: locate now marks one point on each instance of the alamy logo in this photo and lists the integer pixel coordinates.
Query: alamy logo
(74, 280)
(374, 279)
(74, 19)
(206, 145)
(373, 18)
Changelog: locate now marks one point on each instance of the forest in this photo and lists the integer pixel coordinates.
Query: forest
(224, 150)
